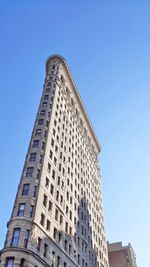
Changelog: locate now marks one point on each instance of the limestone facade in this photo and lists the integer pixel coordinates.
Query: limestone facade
(57, 218)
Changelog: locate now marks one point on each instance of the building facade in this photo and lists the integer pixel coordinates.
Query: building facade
(121, 256)
(57, 218)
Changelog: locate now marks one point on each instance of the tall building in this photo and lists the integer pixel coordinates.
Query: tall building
(121, 256)
(57, 218)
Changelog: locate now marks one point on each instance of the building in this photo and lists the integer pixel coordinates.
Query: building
(57, 218)
(121, 256)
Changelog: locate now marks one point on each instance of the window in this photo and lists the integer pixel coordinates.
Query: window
(46, 97)
(29, 172)
(22, 263)
(39, 244)
(56, 215)
(47, 182)
(38, 173)
(58, 261)
(42, 112)
(25, 190)
(21, 209)
(61, 220)
(51, 154)
(31, 211)
(27, 233)
(44, 200)
(66, 228)
(44, 104)
(38, 132)
(59, 237)
(50, 206)
(35, 143)
(53, 259)
(48, 225)
(34, 191)
(40, 122)
(52, 189)
(45, 250)
(15, 237)
(55, 233)
(53, 174)
(42, 222)
(49, 167)
(32, 157)
(10, 262)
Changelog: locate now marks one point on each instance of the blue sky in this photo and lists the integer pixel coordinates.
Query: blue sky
(107, 46)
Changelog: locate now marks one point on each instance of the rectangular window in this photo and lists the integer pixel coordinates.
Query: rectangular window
(9, 262)
(53, 259)
(44, 200)
(40, 121)
(31, 211)
(32, 157)
(38, 132)
(26, 239)
(15, 237)
(29, 172)
(21, 209)
(52, 190)
(46, 182)
(45, 250)
(42, 222)
(55, 233)
(25, 190)
(61, 220)
(35, 144)
(56, 215)
(42, 113)
(58, 261)
(44, 104)
(46, 97)
(49, 167)
(48, 225)
(39, 244)
(34, 191)
(50, 206)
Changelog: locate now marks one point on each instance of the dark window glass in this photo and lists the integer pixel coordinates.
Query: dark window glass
(32, 157)
(38, 132)
(29, 172)
(21, 209)
(25, 190)
(10, 262)
(35, 143)
(39, 243)
(26, 239)
(15, 237)
(31, 211)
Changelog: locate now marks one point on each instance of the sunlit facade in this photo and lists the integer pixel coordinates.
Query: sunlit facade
(57, 218)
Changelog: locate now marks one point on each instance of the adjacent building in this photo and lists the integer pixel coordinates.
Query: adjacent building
(121, 256)
(57, 218)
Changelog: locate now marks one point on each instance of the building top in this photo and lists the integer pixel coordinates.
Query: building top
(70, 78)
(117, 247)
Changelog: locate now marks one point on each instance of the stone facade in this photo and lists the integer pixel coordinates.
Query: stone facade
(57, 218)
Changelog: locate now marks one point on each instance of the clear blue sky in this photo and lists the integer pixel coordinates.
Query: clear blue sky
(107, 46)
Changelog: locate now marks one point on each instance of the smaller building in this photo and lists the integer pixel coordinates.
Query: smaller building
(121, 256)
